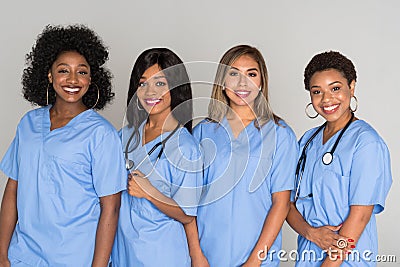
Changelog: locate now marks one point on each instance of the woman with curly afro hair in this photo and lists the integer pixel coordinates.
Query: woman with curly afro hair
(65, 168)
(346, 178)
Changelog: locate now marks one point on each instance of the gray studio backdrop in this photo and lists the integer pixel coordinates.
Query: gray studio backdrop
(288, 33)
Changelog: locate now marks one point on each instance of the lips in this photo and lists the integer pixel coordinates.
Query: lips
(152, 101)
(330, 109)
(242, 93)
(72, 90)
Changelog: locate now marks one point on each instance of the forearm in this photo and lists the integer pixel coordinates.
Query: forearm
(353, 227)
(106, 229)
(297, 222)
(272, 225)
(8, 216)
(192, 236)
(355, 223)
(168, 206)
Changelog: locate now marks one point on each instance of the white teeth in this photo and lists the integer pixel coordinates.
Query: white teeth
(72, 90)
(153, 101)
(241, 92)
(331, 107)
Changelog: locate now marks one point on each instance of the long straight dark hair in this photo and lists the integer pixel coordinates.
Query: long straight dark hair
(178, 83)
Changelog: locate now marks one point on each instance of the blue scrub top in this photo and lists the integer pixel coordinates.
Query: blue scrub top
(145, 235)
(241, 174)
(61, 175)
(359, 174)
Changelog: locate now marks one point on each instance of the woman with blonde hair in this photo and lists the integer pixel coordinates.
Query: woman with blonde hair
(249, 162)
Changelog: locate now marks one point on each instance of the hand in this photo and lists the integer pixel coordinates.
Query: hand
(200, 261)
(138, 185)
(327, 238)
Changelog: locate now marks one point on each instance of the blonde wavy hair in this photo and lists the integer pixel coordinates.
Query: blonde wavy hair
(219, 103)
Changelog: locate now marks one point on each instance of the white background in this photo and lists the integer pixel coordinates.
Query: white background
(288, 33)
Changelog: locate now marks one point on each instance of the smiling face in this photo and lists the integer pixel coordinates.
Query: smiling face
(153, 91)
(70, 76)
(330, 95)
(243, 81)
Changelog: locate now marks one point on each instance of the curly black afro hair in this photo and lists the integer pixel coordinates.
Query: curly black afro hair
(49, 45)
(330, 60)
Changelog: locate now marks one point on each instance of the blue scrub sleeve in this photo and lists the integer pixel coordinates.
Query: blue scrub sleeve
(9, 164)
(370, 176)
(108, 167)
(187, 181)
(285, 159)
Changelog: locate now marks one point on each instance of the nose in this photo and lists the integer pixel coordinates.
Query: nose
(243, 80)
(326, 97)
(150, 88)
(73, 78)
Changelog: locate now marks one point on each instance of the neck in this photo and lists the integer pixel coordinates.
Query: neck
(333, 127)
(164, 123)
(68, 110)
(245, 113)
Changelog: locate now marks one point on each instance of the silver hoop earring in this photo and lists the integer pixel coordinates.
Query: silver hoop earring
(356, 101)
(308, 115)
(98, 96)
(47, 94)
(259, 88)
(137, 104)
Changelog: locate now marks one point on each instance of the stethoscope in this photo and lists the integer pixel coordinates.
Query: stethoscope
(326, 158)
(129, 163)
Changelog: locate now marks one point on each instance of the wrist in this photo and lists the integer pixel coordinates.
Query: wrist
(254, 259)
(3, 257)
(150, 193)
(309, 233)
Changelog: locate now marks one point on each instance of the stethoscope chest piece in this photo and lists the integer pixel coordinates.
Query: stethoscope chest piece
(128, 164)
(327, 158)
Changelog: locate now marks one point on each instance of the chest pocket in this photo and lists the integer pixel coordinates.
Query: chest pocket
(67, 178)
(332, 184)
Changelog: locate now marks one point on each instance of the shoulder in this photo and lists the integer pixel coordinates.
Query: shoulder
(182, 143)
(205, 128)
(306, 136)
(33, 115)
(283, 131)
(99, 123)
(101, 130)
(205, 124)
(185, 139)
(365, 134)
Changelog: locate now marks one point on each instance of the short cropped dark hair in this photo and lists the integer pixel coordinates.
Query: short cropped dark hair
(330, 60)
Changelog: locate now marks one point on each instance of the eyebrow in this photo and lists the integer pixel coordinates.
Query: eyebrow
(155, 77)
(80, 65)
(252, 69)
(332, 83)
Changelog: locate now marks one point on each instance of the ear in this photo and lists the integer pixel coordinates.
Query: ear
(352, 87)
(50, 77)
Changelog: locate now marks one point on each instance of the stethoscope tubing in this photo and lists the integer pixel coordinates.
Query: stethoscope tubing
(129, 163)
(326, 158)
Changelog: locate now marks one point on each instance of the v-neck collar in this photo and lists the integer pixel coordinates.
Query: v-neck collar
(47, 122)
(226, 124)
(155, 140)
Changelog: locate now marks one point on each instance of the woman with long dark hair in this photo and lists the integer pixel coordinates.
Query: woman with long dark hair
(161, 156)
